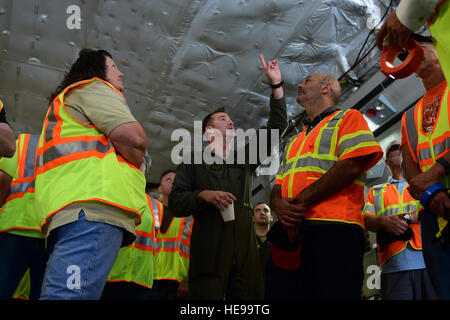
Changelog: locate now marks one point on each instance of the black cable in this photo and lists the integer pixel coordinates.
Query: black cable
(372, 31)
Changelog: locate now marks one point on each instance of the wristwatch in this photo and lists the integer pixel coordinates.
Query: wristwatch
(408, 218)
(274, 86)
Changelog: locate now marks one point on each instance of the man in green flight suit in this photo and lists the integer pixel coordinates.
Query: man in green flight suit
(224, 258)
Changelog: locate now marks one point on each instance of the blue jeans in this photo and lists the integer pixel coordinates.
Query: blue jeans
(436, 256)
(81, 255)
(17, 254)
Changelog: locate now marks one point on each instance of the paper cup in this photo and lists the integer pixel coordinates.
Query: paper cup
(228, 213)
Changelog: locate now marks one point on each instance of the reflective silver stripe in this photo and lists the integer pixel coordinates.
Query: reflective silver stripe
(187, 228)
(411, 129)
(170, 244)
(369, 208)
(325, 142)
(424, 154)
(438, 149)
(21, 187)
(352, 142)
(155, 213)
(328, 131)
(184, 248)
(145, 241)
(30, 158)
(50, 124)
(378, 197)
(441, 147)
(64, 149)
(410, 208)
(313, 162)
(391, 211)
(288, 166)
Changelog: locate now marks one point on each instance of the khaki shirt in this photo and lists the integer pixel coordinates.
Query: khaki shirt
(96, 104)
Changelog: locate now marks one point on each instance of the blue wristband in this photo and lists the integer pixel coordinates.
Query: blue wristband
(430, 192)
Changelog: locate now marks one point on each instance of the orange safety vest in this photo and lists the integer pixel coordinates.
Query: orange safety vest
(385, 200)
(426, 148)
(309, 156)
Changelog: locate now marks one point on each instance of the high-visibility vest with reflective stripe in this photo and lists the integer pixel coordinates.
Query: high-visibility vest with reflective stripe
(310, 156)
(172, 250)
(135, 263)
(77, 163)
(387, 201)
(426, 148)
(18, 214)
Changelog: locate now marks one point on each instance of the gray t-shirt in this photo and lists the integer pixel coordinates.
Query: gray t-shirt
(99, 105)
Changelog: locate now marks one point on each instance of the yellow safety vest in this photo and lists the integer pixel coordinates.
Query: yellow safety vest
(134, 263)
(77, 163)
(426, 148)
(438, 25)
(172, 250)
(18, 214)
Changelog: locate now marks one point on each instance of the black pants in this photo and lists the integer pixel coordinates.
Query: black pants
(332, 260)
(283, 284)
(124, 291)
(164, 290)
(17, 254)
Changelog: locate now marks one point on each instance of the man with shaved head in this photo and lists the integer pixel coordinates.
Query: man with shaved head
(319, 191)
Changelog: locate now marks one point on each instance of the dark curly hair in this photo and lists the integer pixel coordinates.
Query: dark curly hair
(90, 63)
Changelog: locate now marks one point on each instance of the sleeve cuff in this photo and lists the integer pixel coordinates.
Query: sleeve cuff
(275, 103)
(413, 14)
